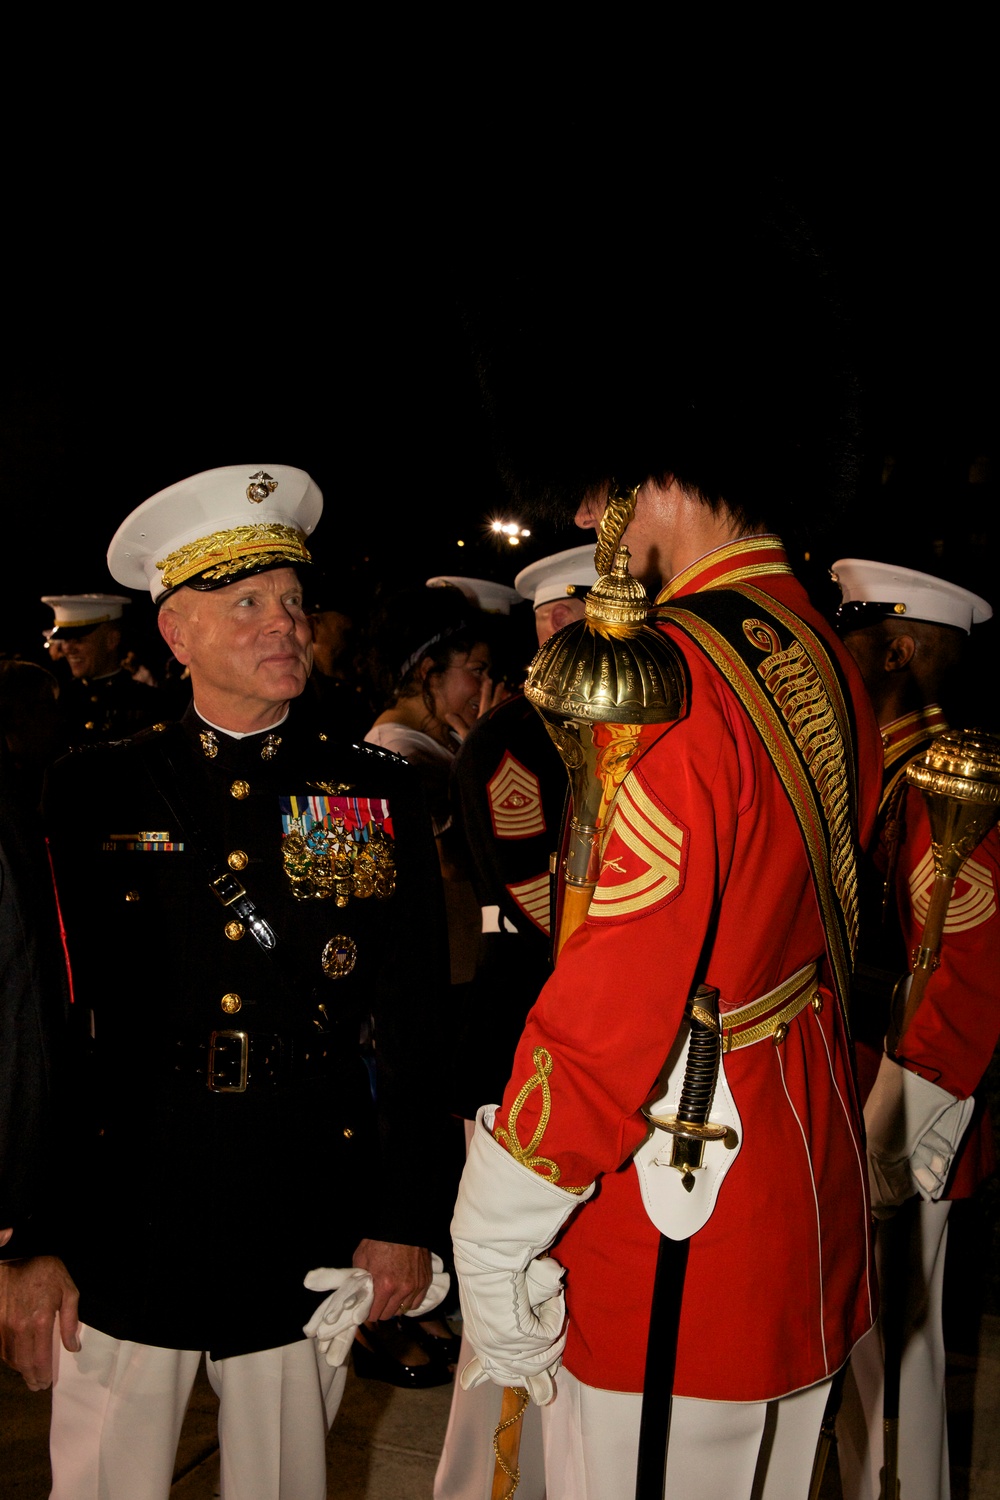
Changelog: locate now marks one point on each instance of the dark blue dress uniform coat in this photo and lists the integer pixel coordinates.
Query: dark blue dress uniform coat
(195, 1210)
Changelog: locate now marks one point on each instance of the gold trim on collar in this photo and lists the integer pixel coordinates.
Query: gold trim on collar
(910, 730)
(740, 574)
(233, 551)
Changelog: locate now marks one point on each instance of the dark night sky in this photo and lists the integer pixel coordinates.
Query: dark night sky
(163, 335)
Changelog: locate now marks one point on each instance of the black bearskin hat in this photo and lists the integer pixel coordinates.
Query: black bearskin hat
(695, 334)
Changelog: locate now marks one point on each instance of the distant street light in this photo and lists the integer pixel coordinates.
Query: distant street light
(510, 531)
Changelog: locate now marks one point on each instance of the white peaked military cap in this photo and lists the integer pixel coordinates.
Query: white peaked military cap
(557, 576)
(492, 598)
(876, 590)
(215, 527)
(78, 614)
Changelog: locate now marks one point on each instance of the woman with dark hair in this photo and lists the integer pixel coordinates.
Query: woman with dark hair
(431, 662)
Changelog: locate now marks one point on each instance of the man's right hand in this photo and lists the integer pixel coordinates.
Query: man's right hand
(32, 1294)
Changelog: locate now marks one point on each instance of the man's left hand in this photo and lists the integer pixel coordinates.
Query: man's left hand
(400, 1275)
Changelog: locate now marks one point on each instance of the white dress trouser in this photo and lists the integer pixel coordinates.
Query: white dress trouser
(917, 1274)
(465, 1468)
(117, 1411)
(718, 1450)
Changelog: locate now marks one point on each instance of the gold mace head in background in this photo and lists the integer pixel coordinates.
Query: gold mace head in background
(959, 775)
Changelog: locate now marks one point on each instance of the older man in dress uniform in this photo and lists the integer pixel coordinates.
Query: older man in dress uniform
(271, 889)
(696, 402)
(102, 701)
(929, 1138)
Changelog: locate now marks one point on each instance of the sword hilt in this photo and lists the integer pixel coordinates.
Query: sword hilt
(691, 1126)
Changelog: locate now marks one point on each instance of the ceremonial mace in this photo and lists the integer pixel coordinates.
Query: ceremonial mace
(607, 687)
(959, 775)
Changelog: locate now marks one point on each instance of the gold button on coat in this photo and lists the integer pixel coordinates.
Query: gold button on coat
(131, 895)
(239, 790)
(231, 1004)
(238, 860)
(234, 931)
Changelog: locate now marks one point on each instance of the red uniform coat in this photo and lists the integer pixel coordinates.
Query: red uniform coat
(951, 1039)
(715, 888)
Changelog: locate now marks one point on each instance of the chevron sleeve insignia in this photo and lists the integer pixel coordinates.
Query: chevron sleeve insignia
(515, 799)
(643, 859)
(532, 897)
(974, 899)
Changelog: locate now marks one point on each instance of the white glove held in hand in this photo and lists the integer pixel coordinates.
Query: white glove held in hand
(914, 1129)
(512, 1301)
(351, 1291)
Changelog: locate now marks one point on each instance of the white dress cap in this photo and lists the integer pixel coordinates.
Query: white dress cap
(903, 593)
(552, 577)
(83, 612)
(492, 598)
(215, 527)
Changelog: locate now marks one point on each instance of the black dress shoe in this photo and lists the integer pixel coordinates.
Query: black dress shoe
(438, 1347)
(377, 1363)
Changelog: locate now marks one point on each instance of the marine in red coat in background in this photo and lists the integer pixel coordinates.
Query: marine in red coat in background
(930, 1137)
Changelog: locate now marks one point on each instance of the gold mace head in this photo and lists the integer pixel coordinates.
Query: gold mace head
(606, 687)
(612, 666)
(959, 775)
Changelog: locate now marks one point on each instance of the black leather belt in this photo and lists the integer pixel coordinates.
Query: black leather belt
(233, 896)
(234, 1061)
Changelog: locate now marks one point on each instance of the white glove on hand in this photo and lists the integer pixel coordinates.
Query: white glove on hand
(512, 1301)
(914, 1129)
(333, 1323)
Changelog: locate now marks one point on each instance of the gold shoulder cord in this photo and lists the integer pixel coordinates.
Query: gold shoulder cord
(524, 1155)
(617, 514)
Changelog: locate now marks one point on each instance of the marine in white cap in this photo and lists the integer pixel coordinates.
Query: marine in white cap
(485, 593)
(928, 1143)
(263, 889)
(557, 587)
(103, 701)
(872, 591)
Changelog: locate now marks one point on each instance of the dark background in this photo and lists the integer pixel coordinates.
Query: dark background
(162, 320)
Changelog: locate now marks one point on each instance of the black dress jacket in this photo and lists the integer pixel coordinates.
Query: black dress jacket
(224, 1133)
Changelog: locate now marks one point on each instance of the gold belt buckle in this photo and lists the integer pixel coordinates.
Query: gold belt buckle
(214, 1047)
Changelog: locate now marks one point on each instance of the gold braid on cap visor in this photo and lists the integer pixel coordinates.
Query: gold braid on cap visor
(231, 552)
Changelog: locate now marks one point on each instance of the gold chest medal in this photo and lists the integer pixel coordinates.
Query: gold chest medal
(337, 847)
